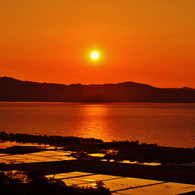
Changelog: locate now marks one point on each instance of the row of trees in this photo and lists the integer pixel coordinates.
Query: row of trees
(127, 150)
(75, 142)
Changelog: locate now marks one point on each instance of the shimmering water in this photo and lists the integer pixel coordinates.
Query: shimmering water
(161, 123)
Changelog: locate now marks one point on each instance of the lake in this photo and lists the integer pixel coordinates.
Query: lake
(166, 124)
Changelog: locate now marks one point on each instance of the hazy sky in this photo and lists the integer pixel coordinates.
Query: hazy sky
(146, 41)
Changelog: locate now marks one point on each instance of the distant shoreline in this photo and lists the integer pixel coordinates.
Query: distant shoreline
(17, 90)
(19, 101)
(63, 102)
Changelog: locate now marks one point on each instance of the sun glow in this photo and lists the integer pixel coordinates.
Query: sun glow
(94, 55)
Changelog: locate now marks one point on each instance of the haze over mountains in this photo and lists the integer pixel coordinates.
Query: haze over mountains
(15, 90)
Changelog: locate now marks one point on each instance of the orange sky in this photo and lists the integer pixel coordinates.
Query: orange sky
(145, 41)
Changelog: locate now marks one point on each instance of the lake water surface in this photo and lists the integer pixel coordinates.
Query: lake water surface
(166, 124)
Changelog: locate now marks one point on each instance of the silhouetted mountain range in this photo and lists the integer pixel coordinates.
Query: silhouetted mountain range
(15, 90)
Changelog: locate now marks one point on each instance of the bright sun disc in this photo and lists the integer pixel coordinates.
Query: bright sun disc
(94, 55)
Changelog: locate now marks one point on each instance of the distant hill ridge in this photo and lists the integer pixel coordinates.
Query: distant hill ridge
(16, 90)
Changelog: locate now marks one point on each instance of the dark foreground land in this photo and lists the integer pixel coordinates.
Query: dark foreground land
(169, 174)
(35, 183)
(171, 159)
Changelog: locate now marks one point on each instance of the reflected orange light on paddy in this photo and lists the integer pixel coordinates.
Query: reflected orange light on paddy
(7, 144)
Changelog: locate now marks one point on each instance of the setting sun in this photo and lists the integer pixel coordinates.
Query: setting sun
(94, 55)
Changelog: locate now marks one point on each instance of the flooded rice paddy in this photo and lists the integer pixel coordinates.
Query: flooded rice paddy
(117, 184)
(124, 185)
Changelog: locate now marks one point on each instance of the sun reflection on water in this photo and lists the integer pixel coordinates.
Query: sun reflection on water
(95, 121)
